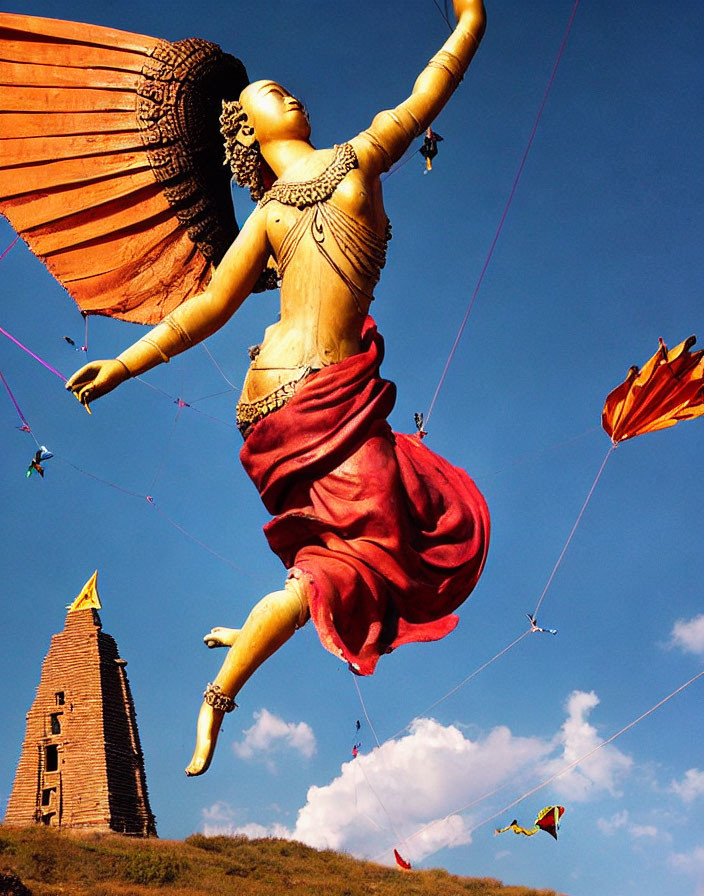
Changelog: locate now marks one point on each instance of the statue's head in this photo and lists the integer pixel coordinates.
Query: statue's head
(265, 112)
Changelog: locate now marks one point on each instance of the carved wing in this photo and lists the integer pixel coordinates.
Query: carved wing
(111, 160)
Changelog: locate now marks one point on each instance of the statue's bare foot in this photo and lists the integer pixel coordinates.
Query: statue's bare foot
(207, 728)
(221, 637)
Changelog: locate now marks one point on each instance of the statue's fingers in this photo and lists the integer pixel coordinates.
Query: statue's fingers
(88, 393)
(73, 382)
(80, 378)
(83, 401)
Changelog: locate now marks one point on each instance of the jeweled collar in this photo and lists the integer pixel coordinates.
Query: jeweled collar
(320, 188)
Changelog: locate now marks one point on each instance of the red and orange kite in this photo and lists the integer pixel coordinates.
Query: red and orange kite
(669, 388)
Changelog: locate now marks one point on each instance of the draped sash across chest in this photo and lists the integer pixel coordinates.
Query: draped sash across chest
(352, 250)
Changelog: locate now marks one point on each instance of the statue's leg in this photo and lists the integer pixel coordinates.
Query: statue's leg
(270, 624)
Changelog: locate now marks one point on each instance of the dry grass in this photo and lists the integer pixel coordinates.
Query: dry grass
(59, 864)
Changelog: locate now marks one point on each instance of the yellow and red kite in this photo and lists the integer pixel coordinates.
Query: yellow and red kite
(548, 820)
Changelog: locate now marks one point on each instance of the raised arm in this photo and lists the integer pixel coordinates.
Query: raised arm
(392, 131)
(190, 323)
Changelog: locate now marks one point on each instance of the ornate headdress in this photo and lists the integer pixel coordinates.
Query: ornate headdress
(244, 161)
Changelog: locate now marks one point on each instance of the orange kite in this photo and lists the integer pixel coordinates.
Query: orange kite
(668, 389)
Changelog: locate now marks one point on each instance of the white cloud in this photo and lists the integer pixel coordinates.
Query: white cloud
(603, 770)
(424, 791)
(643, 831)
(620, 821)
(222, 819)
(689, 634)
(270, 732)
(609, 826)
(405, 792)
(220, 813)
(691, 864)
(410, 786)
(691, 786)
(256, 831)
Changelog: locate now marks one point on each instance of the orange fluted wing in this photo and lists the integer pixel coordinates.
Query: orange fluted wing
(111, 160)
(669, 388)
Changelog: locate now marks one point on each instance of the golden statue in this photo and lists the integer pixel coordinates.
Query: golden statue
(382, 539)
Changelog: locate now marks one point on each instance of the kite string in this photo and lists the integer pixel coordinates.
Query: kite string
(402, 730)
(200, 543)
(505, 213)
(460, 685)
(217, 366)
(9, 247)
(29, 352)
(535, 614)
(399, 839)
(574, 529)
(105, 481)
(25, 425)
(517, 640)
(364, 710)
(97, 478)
(558, 774)
(118, 488)
(443, 13)
(168, 519)
(188, 404)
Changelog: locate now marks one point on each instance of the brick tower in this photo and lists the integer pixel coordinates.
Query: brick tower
(81, 765)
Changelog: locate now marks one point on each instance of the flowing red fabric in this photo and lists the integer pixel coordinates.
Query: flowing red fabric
(389, 536)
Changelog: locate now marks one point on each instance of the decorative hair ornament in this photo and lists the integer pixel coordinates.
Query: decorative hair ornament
(244, 161)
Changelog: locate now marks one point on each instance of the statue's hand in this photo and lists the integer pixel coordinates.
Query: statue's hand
(96, 379)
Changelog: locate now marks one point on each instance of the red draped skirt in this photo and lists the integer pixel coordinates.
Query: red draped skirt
(389, 537)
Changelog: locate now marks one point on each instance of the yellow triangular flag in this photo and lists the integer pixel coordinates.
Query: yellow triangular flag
(88, 598)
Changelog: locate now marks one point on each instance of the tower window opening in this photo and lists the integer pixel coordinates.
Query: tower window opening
(46, 795)
(56, 723)
(52, 758)
(59, 697)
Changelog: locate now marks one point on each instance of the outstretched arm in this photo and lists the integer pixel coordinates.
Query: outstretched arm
(392, 131)
(190, 323)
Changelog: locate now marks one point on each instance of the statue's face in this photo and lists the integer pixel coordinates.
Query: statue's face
(274, 113)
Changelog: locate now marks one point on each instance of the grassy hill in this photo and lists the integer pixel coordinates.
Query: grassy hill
(57, 864)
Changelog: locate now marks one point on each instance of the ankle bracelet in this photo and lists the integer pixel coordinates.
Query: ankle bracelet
(215, 697)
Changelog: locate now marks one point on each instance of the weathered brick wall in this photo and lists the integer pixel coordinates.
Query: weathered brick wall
(99, 782)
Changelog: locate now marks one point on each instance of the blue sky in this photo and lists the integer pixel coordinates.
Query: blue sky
(600, 256)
